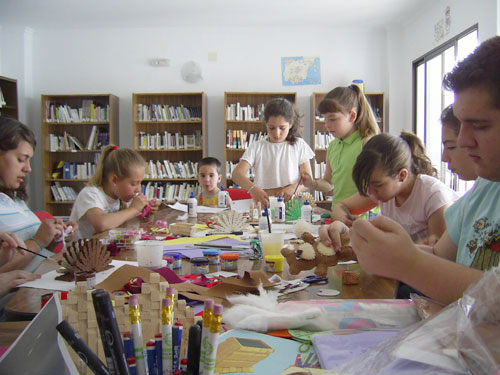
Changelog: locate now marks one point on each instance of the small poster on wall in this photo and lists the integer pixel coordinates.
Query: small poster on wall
(300, 70)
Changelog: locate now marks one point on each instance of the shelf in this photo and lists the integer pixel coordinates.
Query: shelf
(171, 179)
(101, 107)
(169, 150)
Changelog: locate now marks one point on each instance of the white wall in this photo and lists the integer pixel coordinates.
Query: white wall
(416, 37)
(116, 61)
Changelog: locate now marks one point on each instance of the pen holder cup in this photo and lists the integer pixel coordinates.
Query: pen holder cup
(272, 243)
(149, 254)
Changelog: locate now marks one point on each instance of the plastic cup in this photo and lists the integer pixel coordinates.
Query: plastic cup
(272, 243)
(149, 253)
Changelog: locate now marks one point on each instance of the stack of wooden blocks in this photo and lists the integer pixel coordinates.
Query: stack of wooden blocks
(78, 310)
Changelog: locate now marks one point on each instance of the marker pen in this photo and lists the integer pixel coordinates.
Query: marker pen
(132, 366)
(151, 351)
(207, 318)
(81, 348)
(110, 334)
(158, 355)
(171, 295)
(128, 344)
(176, 344)
(210, 343)
(135, 322)
(166, 334)
(193, 352)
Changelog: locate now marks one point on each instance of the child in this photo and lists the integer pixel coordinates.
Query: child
(117, 177)
(209, 175)
(395, 173)
(17, 145)
(456, 157)
(384, 248)
(280, 159)
(349, 118)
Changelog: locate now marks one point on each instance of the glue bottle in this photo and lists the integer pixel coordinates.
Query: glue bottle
(280, 210)
(306, 212)
(263, 223)
(192, 204)
(222, 198)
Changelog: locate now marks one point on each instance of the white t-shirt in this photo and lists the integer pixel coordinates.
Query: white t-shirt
(91, 197)
(427, 196)
(277, 164)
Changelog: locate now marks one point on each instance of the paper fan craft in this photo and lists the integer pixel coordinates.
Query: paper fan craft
(293, 209)
(230, 221)
(84, 256)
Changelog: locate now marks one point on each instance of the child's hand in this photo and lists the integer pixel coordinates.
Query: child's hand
(330, 234)
(139, 202)
(287, 192)
(49, 230)
(382, 247)
(259, 195)
(10, 242)
(155, 205)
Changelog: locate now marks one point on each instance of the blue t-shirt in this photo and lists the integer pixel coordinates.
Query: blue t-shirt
(473, 224)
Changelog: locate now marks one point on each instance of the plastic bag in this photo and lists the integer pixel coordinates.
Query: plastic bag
(463, 338)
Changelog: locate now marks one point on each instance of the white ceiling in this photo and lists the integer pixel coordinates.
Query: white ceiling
(207, 13)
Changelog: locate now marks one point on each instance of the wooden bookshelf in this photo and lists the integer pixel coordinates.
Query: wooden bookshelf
(318, 124)
(8, 87)
(169, 127)
(248, 121)
(92, 113)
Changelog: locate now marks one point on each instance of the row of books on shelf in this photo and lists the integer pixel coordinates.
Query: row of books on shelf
(73, 170)
(230, 168)
(170, 192)
(237, 112)
(65, 113)
(322, 140)
(165, 112)
(319, 169)
(169, 169)
(320, 196)
(240, 139)
(169, 141)
(98, 138)
(62, 193)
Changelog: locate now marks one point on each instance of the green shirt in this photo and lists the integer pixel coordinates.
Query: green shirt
(342, 156)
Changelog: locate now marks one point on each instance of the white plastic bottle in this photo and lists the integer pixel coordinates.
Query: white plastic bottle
(306, 212)
(263, 223)
(222, 198)
(192, 204)
(280, 210)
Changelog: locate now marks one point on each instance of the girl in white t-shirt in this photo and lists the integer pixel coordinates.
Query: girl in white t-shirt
(395, 173)
(117, 179)
(278, 160)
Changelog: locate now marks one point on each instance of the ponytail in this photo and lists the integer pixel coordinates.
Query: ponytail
(391, 153)
(344, 99)
(115, 160)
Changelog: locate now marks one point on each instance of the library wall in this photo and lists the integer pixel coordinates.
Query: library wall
(248, 59)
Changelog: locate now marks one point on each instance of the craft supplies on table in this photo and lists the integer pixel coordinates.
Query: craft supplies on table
(199, 265)
(213, 256)
(124, 238)
(229, 261)
(274, 263)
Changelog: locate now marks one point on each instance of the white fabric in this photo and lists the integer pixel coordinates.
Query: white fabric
(427, 196)
(91, 197)
(277, 164)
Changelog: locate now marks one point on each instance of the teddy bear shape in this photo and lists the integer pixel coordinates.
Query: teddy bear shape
(314, 253)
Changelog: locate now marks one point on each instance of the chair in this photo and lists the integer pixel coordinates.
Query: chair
(42, 215)
(238, 194)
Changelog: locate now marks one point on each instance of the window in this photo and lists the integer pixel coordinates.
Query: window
(430, 98)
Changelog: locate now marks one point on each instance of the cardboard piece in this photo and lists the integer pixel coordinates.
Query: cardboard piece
(248, 284)
(122, 276)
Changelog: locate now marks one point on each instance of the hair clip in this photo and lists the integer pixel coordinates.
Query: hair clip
(114, 147)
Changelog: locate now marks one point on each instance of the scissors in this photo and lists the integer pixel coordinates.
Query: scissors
(313, 279)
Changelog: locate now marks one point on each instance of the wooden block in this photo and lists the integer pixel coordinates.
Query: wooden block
(154, 278)
(183, 229)
(145, 289)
